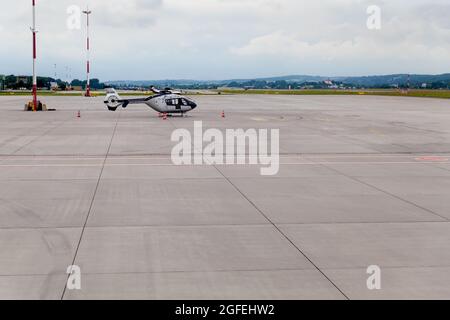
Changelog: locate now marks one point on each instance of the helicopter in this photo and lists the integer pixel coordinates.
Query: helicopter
(166, 101)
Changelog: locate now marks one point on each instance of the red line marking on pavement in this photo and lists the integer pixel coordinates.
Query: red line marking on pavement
(432, 159)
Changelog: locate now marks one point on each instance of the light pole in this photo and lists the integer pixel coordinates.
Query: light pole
(33, 30)
(87, 12)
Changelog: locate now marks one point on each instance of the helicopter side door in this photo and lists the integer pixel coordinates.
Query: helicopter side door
(176, 104)
(173, 104)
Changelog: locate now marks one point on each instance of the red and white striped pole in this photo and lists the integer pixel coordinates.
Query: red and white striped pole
(88, 67)
(33, 29)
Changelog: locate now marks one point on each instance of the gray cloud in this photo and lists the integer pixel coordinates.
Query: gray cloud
(139, 39)
(127, 14)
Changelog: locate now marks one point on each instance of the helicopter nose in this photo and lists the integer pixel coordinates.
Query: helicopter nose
(192, 104)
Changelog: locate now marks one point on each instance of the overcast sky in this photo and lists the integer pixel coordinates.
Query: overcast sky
(223, 39)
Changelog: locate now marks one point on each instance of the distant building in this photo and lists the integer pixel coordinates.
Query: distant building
(54, 86)
(23, 79)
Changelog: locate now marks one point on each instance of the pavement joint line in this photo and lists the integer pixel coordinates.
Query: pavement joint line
(391, 267)
(114, 179)
(215, 225)
(445, 219)
(93, 199)
(223, 271)
(164, 272)
(146, 226)
(375, 155)
(49, 180)
(167, 156)
(357, 222)
(203, 165)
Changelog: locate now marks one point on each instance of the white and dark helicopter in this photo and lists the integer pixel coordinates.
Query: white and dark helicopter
(165, 101)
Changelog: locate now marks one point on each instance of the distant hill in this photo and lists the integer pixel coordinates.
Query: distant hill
(184, 82)
(442, 80)
(394, 79)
